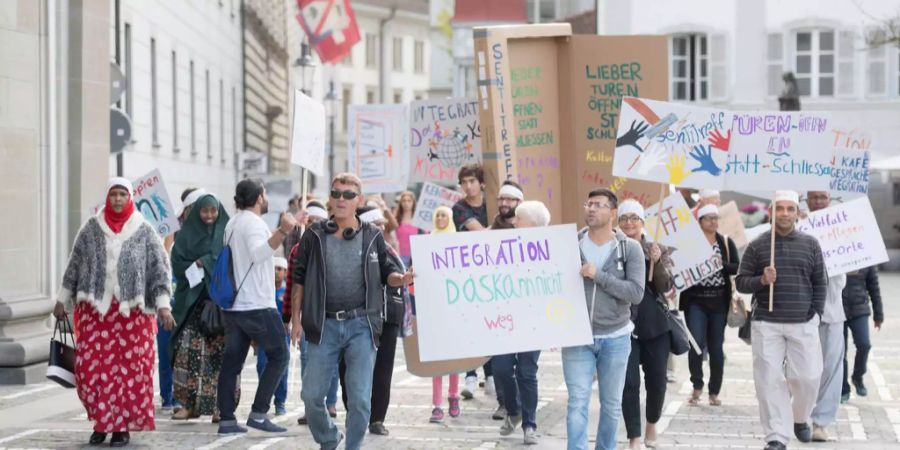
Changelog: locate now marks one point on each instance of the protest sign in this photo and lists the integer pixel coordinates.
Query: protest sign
(731, 224)
(430, 198)
(308, 134)
(773, 150)
(417, 367)
(497, 292)
(692, 255)
(602, 70)
(152, 200)
(444, 136)
(378, 146)
(848, 234)
(672, 143)
(849, 173)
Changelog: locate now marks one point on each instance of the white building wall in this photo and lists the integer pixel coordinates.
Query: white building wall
(207, 32)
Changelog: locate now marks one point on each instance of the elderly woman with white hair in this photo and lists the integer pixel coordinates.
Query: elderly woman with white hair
(650, 340)
(706, 305)
(516, 373)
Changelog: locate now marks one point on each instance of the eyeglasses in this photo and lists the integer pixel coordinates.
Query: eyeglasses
(629, 218)
(597, 205)
(348, 195)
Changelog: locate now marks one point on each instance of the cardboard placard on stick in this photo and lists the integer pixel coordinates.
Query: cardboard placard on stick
(444, 136)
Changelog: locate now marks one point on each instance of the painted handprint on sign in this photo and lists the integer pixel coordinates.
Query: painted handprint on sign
(635, 132)
(677, 174)
(703, 155)
(716, 140)
(651, 159)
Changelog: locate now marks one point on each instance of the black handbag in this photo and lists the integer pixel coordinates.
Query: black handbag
(212, 319)
(679, 343)
(744, 331)
(61, 367)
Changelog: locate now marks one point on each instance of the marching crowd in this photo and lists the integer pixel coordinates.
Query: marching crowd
(345, 284)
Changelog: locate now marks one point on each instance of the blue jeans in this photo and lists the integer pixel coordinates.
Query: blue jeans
(608, 358)
(352, 340)
(859, 326)
(708, 329)
(165, 366)
(516, 375)
(331, 397)
(282, 388)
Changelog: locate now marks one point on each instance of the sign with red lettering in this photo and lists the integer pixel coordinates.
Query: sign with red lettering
(330, 26)
(693, 257)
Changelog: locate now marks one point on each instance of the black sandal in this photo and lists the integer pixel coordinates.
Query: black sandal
(119, 439)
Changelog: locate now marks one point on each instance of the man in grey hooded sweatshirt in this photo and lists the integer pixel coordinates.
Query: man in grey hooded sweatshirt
(613, 271)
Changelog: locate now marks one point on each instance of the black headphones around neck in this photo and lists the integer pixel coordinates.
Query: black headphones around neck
(349, 234)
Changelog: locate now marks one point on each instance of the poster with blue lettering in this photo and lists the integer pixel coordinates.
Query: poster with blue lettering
(772, 150)
(848, 234)
(444, 136)
(152, 199)
(692, 255)
(852, 142)
(672, 143)
(497, 292)
(378, 146)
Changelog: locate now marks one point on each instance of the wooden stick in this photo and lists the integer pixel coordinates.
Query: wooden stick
(772, 253)
(662, 192)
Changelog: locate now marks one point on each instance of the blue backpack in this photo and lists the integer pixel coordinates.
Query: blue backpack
(221, 281)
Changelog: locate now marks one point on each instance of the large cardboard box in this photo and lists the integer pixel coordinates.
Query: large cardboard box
(549, 104)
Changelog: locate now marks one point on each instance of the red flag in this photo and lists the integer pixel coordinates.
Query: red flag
(331, 27)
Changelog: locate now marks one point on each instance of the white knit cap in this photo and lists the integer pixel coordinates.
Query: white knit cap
(315, 211)
(372, 215)
(631, 206)
(511, 191)
(707, 210)
(280, 262)
(787, 196)
(121, 182)
(709, 193)
(191, 199)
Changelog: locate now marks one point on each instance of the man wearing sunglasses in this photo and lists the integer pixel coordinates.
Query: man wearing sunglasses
(339, 275)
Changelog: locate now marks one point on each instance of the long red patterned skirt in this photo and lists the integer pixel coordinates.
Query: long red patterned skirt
(114, 365)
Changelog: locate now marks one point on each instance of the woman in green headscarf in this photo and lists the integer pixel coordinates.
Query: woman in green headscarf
(197, 357)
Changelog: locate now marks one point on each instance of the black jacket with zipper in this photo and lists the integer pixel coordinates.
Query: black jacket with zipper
(309, 272)
(862, 285)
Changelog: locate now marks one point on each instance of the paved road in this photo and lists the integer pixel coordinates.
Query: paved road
(47, 416)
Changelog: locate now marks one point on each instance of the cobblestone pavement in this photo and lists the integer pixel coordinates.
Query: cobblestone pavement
(48, 416)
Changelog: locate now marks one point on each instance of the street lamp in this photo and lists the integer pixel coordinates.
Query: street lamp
(331, 101)
(306, 63)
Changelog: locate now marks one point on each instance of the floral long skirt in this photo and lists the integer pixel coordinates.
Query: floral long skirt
(114, 364)
(198, 360)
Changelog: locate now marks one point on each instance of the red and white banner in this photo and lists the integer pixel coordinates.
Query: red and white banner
(330, 26)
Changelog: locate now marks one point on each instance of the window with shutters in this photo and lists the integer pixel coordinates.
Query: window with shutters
(398, 96)
(370, 96)
(876, 66)
(397, 54)
(371, 50)
(814, 62)
(689, 67)
(419, 57)
(346, 101)
(774, 63)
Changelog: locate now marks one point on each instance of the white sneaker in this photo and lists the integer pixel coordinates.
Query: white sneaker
(489, 388)
(819, 434)
(468, 392)
(530, 436)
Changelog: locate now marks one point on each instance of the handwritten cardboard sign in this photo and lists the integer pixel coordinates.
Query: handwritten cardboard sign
(497, 292)
(773, 150)
(431, 197)
(308, 134)
(848, 234)
(378, 149)
(672, 143)
(692, 255)
(152, 199)
(444, 136)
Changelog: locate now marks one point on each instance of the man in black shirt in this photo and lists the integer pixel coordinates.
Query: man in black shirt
(470, 213)
(787, 353)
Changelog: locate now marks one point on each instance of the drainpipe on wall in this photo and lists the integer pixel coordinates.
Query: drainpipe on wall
(381, 69)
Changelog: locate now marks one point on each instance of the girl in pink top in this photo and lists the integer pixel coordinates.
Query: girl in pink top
(406, 208)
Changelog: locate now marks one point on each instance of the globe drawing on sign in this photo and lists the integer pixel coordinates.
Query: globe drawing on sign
(452, 148)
